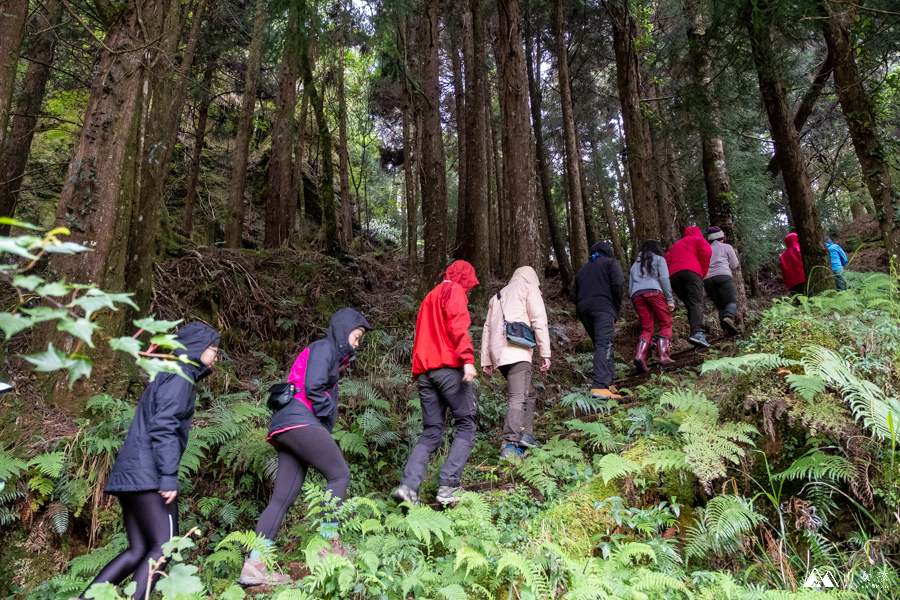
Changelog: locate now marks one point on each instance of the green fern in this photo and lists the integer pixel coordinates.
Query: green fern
(668, 460)
(424, 523)
(746, 363)
(695, 404)
(613, 466)
(807, 387)
(816, 466)
(10, 466)
(598, 434)
(724, 520)
(50, 464)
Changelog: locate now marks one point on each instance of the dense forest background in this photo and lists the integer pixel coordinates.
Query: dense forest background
(259, 165)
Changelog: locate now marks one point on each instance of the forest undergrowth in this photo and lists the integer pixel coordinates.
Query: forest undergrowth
(773, 465)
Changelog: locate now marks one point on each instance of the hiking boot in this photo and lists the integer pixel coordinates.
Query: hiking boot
(699, 340)
(255, 573)
(615, 390)
(336, 548)
(730, 326)
(605, 393)
(640, 357)
(404, 493)
(662, 347)
(448, 494)
(510, 452)
(528, 441)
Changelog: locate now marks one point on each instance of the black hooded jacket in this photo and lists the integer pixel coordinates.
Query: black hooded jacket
(323, 369)
(600, 283)
(151, 454)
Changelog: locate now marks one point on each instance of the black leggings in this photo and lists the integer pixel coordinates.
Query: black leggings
(149, 523)
(298, 450)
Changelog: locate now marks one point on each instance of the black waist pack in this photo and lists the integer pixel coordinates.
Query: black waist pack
(517, 332)
(280, 395)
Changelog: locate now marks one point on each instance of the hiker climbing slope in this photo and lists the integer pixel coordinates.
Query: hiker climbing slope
(838, 262)
(688, 261)
(719, 282)
(444, 368)
(791, 263)
(520, 301)
(597, 295)
(301, 434)
(651, 294)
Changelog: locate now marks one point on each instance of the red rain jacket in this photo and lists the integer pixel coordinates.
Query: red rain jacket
(442, 328)
(690, 253)
(791, 262)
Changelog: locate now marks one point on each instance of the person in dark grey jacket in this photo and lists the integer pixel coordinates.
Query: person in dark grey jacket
(597, 295)
(145, 474)
(301, 433)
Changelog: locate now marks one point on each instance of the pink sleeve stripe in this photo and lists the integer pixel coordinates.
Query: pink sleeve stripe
(274, 433)
(298, 378)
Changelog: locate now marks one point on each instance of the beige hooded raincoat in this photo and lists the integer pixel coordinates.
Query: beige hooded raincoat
(522, 301)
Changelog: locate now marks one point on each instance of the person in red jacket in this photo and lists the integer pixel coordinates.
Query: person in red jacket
(688, 261)
(444, 367)
(792, 265)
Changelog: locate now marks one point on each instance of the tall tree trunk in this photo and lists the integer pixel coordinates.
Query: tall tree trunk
(103, 181)
(608, 212)
(806, 107)
(13, 14)
(297, 200)
(190, 198)
(499, 192)
(637, 155)
(234, 222)
(476, 153)
(167, 103)
(465, 241)
(522, 227)
(346, 223)
(411, 193)
(816, 260)
(331, 242)
(279, 191)
(577, 233)
(18, 144)
(587, 210)
(625, 198)
(433, 163)
(534, 90)
(859, 112)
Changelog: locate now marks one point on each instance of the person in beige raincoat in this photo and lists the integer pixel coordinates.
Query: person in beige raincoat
(521, 301)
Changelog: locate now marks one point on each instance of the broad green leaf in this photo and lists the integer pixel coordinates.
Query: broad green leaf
(126, 344)
(155, 326)
(80, 328)
(80, 366)
(166, 341)
(45, 313)
(15, 223)
(14, 246)
(235, 592)
(64, 248)
(54, 289)
(155, 366)
(51, 360)
(181, 580)
(102, 591)
(96, 299)
(28, 282)
(13, 324)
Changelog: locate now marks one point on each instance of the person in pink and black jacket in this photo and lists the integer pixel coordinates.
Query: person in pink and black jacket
(301, 433)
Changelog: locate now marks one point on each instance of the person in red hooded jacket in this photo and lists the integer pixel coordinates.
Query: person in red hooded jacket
(444, 367)
(792, 265)
(688, 261)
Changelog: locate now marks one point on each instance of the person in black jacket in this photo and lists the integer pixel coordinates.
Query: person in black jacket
(301, 433)
(145, 474)
(598, 297)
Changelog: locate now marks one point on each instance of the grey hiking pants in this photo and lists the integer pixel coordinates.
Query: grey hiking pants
(520, 414)
(440, 389)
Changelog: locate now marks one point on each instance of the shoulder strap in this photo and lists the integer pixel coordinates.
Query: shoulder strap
(500, 304)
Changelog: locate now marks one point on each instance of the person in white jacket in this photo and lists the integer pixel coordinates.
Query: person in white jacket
(519, 301)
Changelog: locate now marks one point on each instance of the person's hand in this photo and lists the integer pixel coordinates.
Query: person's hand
(488, 370)
(169, 495)
(671, 307)
(545, 364)
(469, 373)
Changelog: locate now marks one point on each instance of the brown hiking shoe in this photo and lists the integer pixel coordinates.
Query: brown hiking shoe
(336, 548)
(255, 573)
(605, 393)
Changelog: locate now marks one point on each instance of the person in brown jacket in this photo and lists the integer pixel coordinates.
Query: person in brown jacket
(519, 301)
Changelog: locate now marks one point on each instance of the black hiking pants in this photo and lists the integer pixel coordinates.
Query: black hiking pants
(439, 390)
(723, 293)
(601, 327)
(298, 450)
(149, 523)
(688, 286)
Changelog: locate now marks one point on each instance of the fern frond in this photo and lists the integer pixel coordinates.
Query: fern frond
(10, 466)
(690, 402)
(50, 464)
(613, 466)
(817, 466)
(597, 433)
(746, 363)
(668, 460)
(807, 387)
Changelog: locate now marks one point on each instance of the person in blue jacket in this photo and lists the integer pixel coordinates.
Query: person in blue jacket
(145, 474)
(301, 433)
(838, 261)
